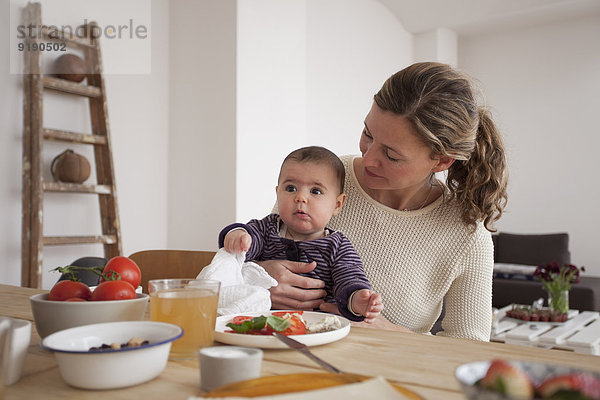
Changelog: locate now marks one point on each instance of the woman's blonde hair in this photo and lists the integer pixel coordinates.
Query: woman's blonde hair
(441, 104)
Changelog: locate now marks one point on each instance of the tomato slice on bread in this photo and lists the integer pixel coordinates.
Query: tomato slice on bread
(240, 318)
(296, 324)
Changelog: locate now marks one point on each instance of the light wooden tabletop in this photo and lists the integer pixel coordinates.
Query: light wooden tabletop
(422, 363)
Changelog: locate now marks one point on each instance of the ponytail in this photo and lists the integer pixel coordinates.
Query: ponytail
(479, 183)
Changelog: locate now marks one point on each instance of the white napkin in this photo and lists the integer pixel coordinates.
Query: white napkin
(244, 285)
(376, 388)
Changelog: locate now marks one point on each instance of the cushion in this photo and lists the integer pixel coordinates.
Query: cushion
(514, 271)
(532, 249)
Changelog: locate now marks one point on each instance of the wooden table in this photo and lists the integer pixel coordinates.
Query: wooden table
(422, 363)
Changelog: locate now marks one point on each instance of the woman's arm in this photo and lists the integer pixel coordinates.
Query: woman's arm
(294, 291)
(469, 299)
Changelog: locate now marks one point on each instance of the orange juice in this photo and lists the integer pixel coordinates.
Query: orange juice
(193, 309)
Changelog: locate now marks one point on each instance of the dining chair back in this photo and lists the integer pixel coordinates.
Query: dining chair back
(163, 264)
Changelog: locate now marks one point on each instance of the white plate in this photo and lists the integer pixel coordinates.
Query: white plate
(269, 342)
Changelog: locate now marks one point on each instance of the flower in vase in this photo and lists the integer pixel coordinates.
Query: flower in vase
(557, 281)
(557, 278)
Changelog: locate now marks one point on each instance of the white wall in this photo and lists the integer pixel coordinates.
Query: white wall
(10, 162)
(271, 98)
(353, 47)
(138, 116)
(436, 45)
(307, 73)
(543, 84)
(201, 132)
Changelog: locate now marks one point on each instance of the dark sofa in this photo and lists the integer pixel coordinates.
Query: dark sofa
(535, 250)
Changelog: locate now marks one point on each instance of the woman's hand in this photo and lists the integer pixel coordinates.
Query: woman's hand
(380, 322)
(294, 291)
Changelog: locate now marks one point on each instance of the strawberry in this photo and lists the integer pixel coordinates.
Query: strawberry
(508, 380)
(587, 386)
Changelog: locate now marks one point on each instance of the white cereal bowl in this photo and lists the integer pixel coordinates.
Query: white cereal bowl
(53, 316)
(111, 369)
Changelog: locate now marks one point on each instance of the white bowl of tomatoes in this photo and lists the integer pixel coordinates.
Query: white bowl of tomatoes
(72, 303)
(112, 355)
(53, 316)
(501, 379)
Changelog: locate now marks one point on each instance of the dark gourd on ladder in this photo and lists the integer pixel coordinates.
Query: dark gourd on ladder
(34, 134)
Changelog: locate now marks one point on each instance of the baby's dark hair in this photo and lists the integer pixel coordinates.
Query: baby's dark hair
(318, 154)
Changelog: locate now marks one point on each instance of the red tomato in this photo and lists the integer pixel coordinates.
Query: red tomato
(126, 268)
(113, 290)
(282, 313)
(76, 299)
(267, 330)
(241, 318)
(297, 326)
(64, 290)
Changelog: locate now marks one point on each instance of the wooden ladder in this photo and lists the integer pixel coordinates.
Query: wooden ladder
(34, 135)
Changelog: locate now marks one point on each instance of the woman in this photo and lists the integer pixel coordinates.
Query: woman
(421, 241)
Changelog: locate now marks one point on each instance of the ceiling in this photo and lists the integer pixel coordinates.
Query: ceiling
(477, 16)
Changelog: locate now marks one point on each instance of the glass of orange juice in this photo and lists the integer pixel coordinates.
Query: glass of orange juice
(189, 303)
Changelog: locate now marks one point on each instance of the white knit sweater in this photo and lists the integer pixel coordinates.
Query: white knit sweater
(416, 258)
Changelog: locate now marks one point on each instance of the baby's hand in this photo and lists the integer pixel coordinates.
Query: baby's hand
(237, 241)
(367, 303)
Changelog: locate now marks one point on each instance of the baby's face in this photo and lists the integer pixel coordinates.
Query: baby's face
(308, 195)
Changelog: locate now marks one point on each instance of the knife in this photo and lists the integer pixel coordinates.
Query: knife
(302, 348)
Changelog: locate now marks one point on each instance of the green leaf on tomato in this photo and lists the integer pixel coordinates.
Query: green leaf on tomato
(277, 323)
(257, 323)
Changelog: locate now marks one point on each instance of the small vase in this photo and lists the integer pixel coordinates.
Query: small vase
(558, 302)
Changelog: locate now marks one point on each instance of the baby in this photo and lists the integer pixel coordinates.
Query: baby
(309, 192)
